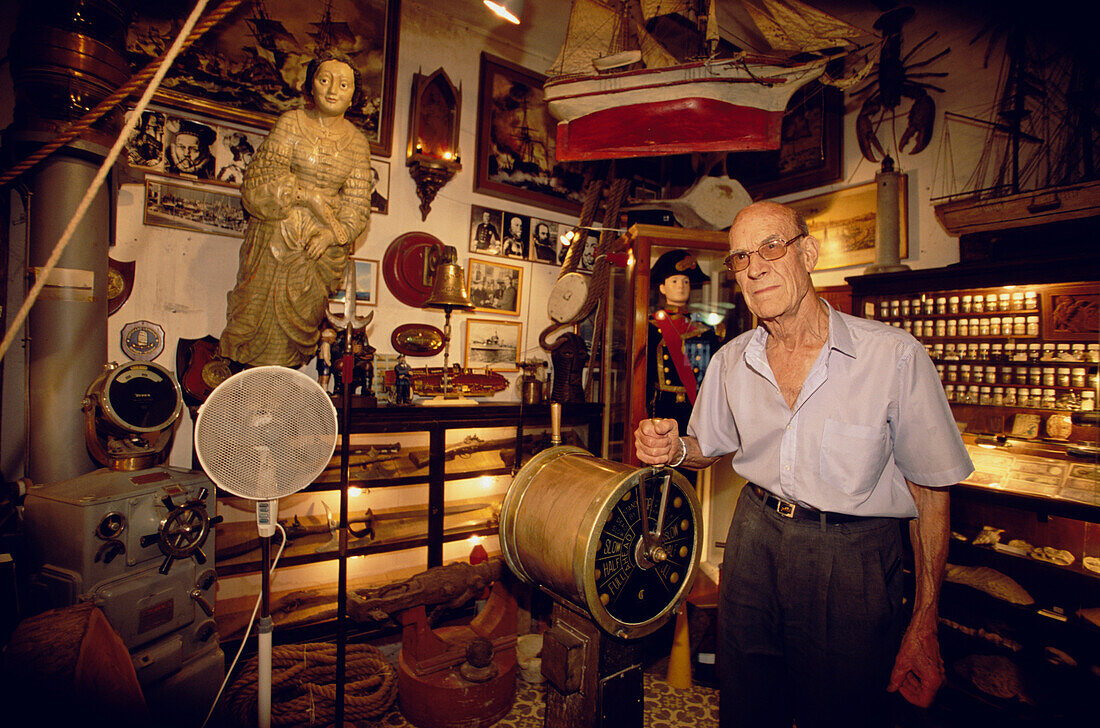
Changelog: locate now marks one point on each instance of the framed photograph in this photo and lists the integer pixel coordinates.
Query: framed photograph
(366, 283)
(485, 226)
(516, 137)
(542, 245)
(516, 230)
(201, 208)
(380, 198)
(844, 222)
(810, 150)
(493, 344)
(1071, 313)
(494, 287)
(250, 67)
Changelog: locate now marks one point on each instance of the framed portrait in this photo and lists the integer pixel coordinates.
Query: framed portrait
(844, 222)
(485, 227)
(543, 241)
(251, 66)
(196, 207)
(380, 197)
(494, 287)
(514, 236)
(1071, 313)
(516, 140)
(810, 150)
(493, 344)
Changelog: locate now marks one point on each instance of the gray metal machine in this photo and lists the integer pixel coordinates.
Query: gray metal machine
(134, 542)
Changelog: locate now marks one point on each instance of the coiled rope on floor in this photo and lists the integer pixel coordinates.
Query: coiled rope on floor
(303, 685)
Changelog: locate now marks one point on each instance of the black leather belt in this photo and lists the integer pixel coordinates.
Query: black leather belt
(793, 510)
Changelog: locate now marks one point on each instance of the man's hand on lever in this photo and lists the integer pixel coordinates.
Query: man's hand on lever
(658, 442)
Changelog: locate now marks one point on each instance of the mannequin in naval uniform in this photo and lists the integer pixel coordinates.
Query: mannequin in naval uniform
(674, 275)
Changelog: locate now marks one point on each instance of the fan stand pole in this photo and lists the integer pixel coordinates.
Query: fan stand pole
(342, 579)
(263, 636)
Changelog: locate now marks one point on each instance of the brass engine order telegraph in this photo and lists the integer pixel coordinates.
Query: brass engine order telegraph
(617, 549)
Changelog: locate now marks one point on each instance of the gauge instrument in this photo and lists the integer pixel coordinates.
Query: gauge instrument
(621, 543)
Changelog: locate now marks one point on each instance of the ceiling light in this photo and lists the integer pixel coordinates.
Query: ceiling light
(510, 10)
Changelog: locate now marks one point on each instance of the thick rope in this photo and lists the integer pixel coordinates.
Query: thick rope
(601, 276)
(303, 685)
(101, 174)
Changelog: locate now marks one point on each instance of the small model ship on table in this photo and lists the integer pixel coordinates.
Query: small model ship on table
(428, 382)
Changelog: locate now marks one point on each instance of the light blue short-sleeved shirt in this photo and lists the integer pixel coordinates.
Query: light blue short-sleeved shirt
(871, 414)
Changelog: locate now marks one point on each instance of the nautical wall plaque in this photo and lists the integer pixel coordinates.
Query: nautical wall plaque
(142, 340)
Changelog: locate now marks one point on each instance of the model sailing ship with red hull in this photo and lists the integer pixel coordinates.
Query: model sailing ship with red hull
(651, 77)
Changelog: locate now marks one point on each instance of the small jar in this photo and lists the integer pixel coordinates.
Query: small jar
(929, 306)
(941, 305)
(995, 326)
(930, 328)
(972, 394)
(949, 390)
(884, 309)
(983, 327)
(1010, 396)
(1031, 301)
(964, 328)
(997, 351)
(895, 308)
(907, 326)
(1018, 301)
(985, 396)
(937, 351)
(967, 303)
(1092, 353)
(1062, 377)
(949, 351)
(1034, 352)
(1035, 397)
(1004, 375)
(977, 374)
(1019, 325)
(1088, 400)
(998, 396)
(1034, 375)
(978, 304)
(971, 351)
(941, 369)
(1048, 399)
(952, 304)
(964, 373)
(975, 327)
(1078, 352)
(1019, 375)
(1004, 302)
(1010, 351)
(941, 328)
(1032, 325)
(1048, 376)
(991, 303)
(991, 375)
(952, 328)
(952, 372)
(983, 351)
(1077, 377)
(1062, 352)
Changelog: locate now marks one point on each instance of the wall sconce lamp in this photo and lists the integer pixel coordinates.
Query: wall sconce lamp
(510, 10)
(432, 155)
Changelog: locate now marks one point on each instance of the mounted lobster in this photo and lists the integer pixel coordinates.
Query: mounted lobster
(890, 80)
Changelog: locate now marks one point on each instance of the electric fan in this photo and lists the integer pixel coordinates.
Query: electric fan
(262, 434)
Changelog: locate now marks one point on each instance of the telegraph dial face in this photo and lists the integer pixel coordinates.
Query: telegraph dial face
(642, 561)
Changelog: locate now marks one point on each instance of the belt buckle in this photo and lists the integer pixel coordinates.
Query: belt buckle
(784, 508)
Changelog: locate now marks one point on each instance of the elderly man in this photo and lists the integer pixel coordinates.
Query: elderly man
(842, 428)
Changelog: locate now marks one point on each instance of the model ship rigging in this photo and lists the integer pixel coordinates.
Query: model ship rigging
(1038, 161)
(651, 77)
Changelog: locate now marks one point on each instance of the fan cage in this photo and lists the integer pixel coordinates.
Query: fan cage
(266, 432)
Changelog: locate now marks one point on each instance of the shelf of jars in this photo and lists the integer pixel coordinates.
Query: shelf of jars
(995, 348)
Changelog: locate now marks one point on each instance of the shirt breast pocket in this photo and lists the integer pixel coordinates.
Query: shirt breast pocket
(852, 456)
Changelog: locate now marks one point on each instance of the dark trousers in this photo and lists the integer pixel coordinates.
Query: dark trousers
(809, 620)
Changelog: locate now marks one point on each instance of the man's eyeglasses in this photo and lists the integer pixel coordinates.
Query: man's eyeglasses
(739, 261)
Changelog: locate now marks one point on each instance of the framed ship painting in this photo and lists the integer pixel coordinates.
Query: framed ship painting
(493, 345)
(251, 66)
(516, 140)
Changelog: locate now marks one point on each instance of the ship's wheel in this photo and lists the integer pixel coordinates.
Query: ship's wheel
(183, 531)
